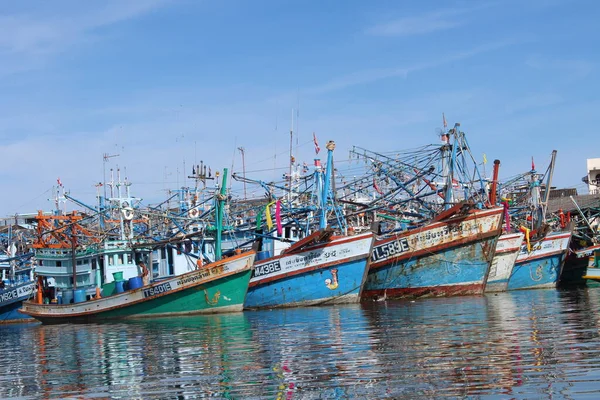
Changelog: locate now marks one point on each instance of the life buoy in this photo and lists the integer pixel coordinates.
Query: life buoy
(127, 213)
(193, 212)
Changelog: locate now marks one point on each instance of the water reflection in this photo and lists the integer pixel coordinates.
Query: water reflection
(535, 344)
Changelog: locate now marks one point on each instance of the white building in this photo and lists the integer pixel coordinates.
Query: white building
(593, 175)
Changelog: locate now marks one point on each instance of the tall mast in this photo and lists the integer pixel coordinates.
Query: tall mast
(548, 184)
(241, 149)
(220, 197)
(325, 195)
(291, 162)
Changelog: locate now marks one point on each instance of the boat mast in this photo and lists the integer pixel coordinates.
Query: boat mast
(220, 197)
(325, 194)
(448, 195)
(291, 162)
(548, 185)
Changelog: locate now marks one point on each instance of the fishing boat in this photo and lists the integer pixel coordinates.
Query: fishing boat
(592, 256)
(13, 291)
(81, 270)
(436, 232)
(319, 269)
(217, 287)
(16, 283)
(539, 264)
(449, 256)
(544, 249)
(505, 257)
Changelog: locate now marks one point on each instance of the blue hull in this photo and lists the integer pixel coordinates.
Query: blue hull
(540, 273)
(9, 313)
(311, 287)
(459, 270)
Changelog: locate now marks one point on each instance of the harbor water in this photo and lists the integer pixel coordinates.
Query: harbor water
(537, 344)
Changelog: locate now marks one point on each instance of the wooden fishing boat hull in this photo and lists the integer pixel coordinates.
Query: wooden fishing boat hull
(329, 273)
(445, 258)
(577, 266)
(216, 288)
(541, 267)
(11, 300)
(503, 262)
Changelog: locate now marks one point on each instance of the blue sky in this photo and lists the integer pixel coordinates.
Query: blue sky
(166, 82)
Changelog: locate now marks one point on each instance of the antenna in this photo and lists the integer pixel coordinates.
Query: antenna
(241, 149)
(105, 158)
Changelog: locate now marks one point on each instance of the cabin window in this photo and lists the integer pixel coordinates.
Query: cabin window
(59, 263)
(120, 258)
(79, 262)
(93, 263)
(110, 260)
(129, 259)
(288, 231)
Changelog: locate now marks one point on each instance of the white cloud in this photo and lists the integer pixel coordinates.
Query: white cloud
(30, 38)
(433, 21)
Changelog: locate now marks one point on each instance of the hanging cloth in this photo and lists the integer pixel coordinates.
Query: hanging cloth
(278, 217)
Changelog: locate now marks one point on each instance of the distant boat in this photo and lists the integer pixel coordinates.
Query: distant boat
(214, 288)
(579, 265)
(16, 286)
(541, 266)
(507, 250)
(591, 257)
(12, 296)
(319, 269)
(449, 256)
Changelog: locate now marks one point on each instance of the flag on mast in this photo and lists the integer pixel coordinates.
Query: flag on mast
(444, 120)
(317, 148)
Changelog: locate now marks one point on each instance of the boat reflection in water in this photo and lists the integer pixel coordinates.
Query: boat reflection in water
(522, 344)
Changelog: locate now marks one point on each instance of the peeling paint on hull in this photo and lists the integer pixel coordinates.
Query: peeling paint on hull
(440, 259)
(503, 263)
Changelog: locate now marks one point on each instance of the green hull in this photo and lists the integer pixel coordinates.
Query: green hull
(221, 295)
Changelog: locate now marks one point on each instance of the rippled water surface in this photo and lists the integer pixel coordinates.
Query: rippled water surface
(528, 344)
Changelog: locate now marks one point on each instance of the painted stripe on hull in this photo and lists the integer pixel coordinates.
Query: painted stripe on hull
(464, 267)
(311, 288)
(427, 291)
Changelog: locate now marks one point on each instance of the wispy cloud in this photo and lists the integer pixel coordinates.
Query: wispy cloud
(534, 101)
(32, 36)
(573, 69)
(433, 21)
(373, 75)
